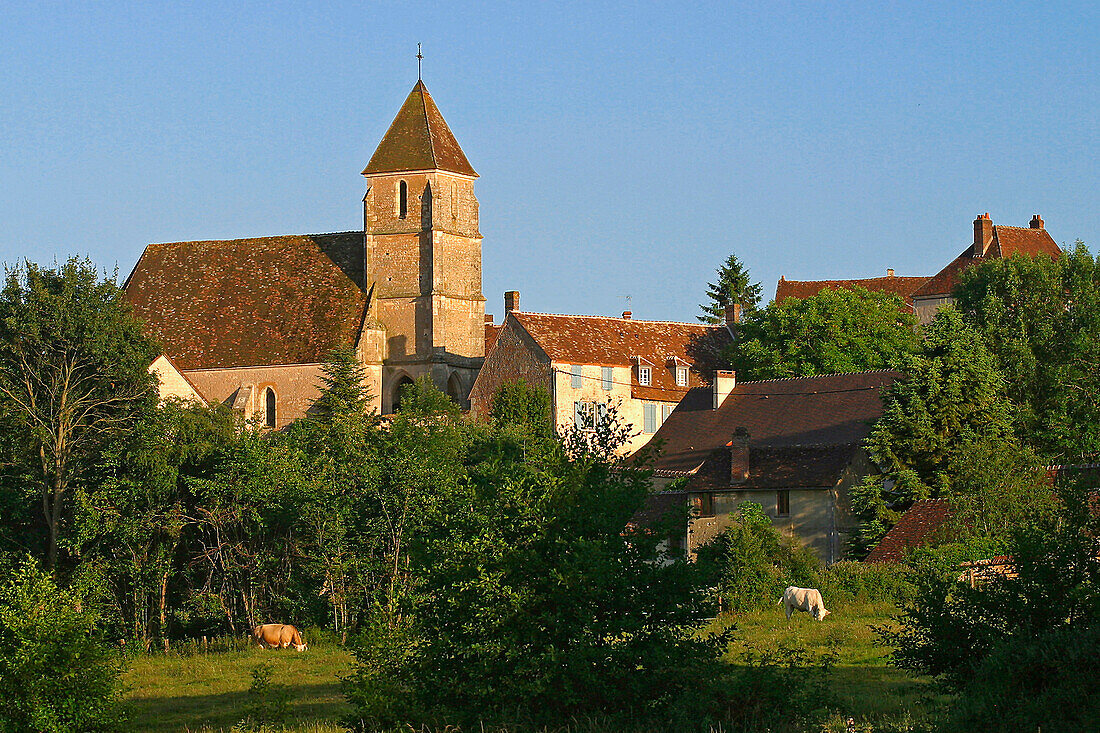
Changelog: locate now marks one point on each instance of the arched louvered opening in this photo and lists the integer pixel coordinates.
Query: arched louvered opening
(269, 407)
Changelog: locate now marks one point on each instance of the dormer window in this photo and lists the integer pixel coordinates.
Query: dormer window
(645, 375)
(681, 376)
(402, 200)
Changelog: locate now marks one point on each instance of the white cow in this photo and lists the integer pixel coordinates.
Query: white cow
(803, 599)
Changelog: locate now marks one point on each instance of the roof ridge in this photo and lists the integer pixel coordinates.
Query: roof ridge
(427, 123)
(243, 239)
(818, 376)
(618, 318)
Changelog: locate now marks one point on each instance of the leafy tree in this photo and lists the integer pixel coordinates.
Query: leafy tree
(953, 397)
(1040, 318)
(734, 286)
(833, 331)
(536, 601)
(1010, 647)
(73, 375)
(520, 405)
(751, 563)
(56, 674)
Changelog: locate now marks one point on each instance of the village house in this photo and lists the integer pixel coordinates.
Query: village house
(249, 322)
(794, 446)
(903, 287)
(990, 242)
(590, 363)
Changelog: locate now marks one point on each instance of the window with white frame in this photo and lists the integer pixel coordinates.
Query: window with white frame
(681, 376)
(588, 414)
(645, 375)
(577, 379)
(666, 410)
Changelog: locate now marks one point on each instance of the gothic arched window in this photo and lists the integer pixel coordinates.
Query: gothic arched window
(402, 199)
(269, 407)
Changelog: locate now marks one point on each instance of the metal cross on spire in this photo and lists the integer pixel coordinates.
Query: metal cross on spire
(419, 57)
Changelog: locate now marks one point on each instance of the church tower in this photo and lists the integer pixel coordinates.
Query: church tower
(423, 254)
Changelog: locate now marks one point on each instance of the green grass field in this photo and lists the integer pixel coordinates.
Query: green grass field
(208, 692)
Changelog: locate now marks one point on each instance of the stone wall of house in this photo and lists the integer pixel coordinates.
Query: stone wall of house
(927, 308)
(514, 356)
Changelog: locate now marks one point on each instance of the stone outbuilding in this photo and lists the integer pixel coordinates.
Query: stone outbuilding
(794, 446)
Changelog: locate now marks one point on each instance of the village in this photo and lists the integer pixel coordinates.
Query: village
(472, 465)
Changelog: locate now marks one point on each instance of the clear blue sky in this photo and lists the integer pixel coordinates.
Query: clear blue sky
(623, 150)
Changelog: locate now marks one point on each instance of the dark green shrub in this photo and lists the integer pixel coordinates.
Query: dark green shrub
(268, 702)
(857, 582)
(1047, 683)
(56, 674)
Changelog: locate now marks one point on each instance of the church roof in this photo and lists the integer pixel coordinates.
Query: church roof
(418, 139)
(251, 302)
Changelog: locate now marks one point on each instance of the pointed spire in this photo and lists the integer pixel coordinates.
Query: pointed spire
(418, 139)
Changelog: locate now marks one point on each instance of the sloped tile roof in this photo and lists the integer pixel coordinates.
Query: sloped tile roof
(1007, 241)
(251, 302)
(419, 139)
(916, 527)
(904, 287)
(492, 332)
(802, 431)
(608, 341)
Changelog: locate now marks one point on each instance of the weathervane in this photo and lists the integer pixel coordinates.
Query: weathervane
(419, 56)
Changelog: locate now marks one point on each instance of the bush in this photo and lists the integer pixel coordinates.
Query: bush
(1048, 683)
(751, 563)
(857, 582)
(268, 702)
(56, 674)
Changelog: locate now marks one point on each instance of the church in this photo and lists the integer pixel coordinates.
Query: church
(249, 322)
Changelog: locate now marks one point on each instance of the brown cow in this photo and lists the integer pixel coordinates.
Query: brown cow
(278, 636)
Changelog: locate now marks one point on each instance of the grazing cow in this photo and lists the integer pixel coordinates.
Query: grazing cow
(803, 599)
(278, 636)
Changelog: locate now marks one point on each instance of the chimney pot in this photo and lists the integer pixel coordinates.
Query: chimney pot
(1036, 222)
(983, 234)
(627, 315)
(724, 382)
(889, 272)
(739, 457)
(511, 301)
(489, 318)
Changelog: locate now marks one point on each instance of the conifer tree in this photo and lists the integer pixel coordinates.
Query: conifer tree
(734, 286)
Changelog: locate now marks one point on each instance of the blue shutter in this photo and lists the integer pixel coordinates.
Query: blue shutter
(577, 381)
(649, 417)
(666, 410)
(605, 374)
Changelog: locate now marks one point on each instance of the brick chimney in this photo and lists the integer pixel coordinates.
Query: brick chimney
(983, 235)
(739, 457)
(732, 312)
(627, 315)
(488, 319)
(889, 272)
(511, 301)
(724, 382)
(1036, 222)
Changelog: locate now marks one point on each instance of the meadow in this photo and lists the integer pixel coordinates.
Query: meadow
(187, 690)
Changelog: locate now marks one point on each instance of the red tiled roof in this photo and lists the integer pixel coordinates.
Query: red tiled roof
(904, 287)
(492, 332)
(607, 341)
(1007, 241)
(419, 139)
(802, 431)
(251, 302)
(916, 527)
